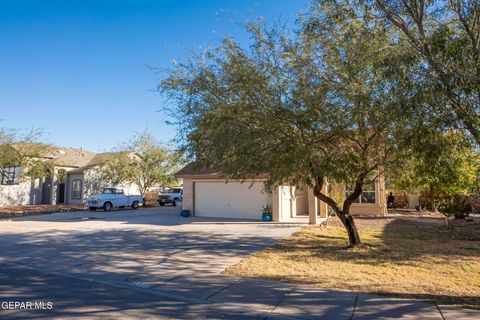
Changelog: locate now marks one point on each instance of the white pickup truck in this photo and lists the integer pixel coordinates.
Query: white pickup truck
(113, 197)
(171, 195)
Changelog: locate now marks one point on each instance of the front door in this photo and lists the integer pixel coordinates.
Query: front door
(61, 193)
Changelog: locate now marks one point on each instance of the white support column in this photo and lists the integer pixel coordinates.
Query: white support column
(276, 204)
(312, 207)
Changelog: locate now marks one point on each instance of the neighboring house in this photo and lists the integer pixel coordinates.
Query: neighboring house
(75, 177)
(207, 193)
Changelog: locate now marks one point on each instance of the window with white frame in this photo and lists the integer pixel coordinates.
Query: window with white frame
(76, 189)
(367, 195)
(10, 175)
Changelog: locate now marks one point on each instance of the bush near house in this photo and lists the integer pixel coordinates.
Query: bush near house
(475, 202)
(457, 205)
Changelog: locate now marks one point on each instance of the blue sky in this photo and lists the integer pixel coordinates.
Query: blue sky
(78, 68)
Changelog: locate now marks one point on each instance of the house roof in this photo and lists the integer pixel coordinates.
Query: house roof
(98, 159)
(60, 156)
(191, 169)
(69, 157)
(95, 161)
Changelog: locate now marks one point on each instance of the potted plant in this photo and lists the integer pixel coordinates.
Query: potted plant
(267, 213)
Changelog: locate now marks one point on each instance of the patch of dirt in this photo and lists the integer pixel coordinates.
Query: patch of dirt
(407, 218)
(19, 211)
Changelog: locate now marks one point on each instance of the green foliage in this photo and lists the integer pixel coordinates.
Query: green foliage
(444, 37)
(457, 205)
(24, 150)
(443, 162)
(143, 161)
(62, 176)
(267, 209)
(329, 102)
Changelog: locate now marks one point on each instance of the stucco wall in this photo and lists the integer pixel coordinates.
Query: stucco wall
(377, 208)
(15, 194)
(92, 183)
(36, 192)
(187, 201)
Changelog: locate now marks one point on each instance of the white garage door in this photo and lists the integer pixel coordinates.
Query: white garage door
(229, 200)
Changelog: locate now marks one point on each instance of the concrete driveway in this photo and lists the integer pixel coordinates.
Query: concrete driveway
(154, 264)
(137, 249)
(146, 246)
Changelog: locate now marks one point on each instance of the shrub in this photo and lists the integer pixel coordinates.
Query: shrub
(457, 205)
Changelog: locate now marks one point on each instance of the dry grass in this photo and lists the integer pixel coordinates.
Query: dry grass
(406, 257)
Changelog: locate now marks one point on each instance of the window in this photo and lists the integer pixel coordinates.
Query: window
(112, 191)
(77, 189)
(11, 175)
(108, 191)
(367, 196)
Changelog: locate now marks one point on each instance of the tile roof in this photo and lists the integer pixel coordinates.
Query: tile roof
(69, 157)
(191, 169)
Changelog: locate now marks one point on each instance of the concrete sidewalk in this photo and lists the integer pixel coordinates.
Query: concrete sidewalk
(274, 300)
(205, 297)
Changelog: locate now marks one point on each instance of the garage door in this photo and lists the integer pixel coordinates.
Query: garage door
(229, 200)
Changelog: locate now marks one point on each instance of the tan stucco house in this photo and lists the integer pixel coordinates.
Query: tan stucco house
(207, 193)
(75, 177)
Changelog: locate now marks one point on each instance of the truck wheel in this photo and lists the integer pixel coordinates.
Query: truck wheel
(92, 208)
(135, 205)
(161, 203)
(107, 206)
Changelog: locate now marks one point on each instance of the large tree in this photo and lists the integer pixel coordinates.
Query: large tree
(143, 161)
(445, 35)
(443, 163)
(327, 104)
(24, 149)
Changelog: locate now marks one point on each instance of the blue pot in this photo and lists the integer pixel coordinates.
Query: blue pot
(266, 216)
(185, 213)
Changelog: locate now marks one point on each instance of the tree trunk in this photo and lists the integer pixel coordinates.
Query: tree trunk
(432, 199)
(349, 224)
(343, 215)
(143, 193)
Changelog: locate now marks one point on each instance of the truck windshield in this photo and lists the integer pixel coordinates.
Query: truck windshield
(174, 190)
(108, 191)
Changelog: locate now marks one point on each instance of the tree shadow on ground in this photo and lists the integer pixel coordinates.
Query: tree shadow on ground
(393, 248)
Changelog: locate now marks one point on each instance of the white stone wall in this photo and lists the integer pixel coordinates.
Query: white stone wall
(93, 182)
(15, 194)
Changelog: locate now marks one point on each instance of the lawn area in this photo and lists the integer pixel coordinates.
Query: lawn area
(410, 257)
